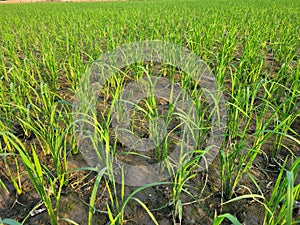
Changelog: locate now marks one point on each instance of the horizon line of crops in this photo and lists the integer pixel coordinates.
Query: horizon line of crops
(252, 48)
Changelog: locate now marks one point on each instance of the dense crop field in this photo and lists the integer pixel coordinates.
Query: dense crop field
(252, 48)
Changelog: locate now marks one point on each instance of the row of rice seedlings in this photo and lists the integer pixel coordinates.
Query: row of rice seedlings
(41, 117)
(38, 175)
(69, 44)
(186, 166)
(105, 153)
(279, 208)
(39, 114)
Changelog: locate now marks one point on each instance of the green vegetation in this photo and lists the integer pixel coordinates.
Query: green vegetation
(253, 48)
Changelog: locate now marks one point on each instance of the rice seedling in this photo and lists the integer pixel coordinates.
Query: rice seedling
(36, 173)
(279, 209)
